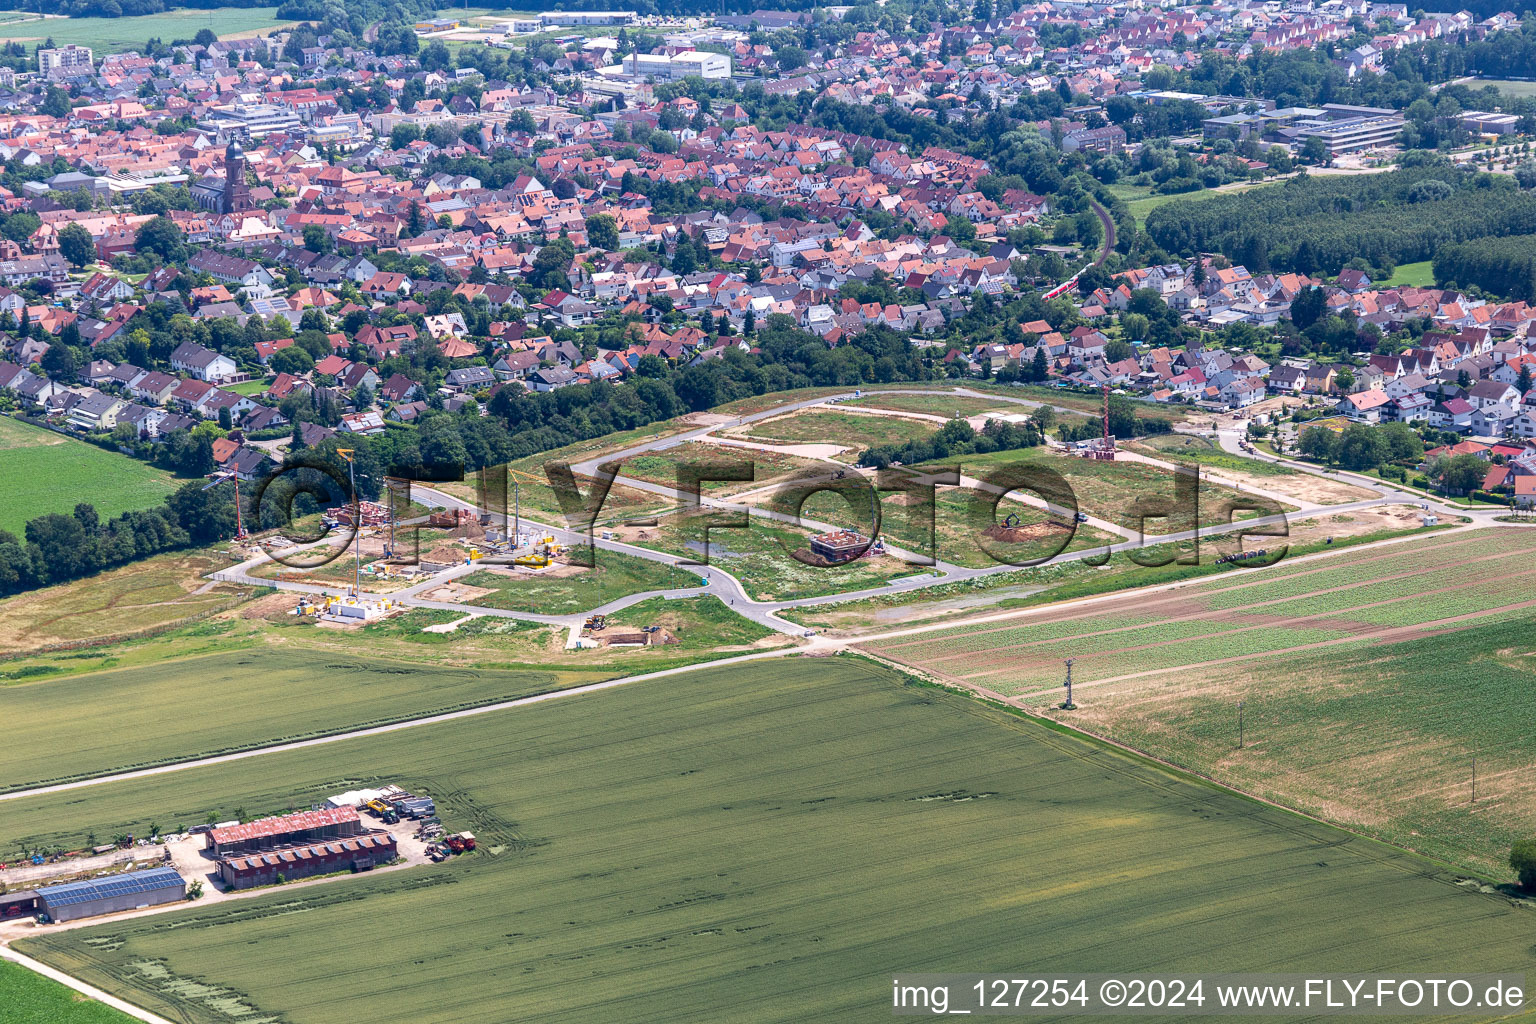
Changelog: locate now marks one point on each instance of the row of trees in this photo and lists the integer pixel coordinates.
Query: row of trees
(1361, 446)
(957, 437)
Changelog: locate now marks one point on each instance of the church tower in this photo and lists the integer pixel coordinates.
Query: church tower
(237, 194)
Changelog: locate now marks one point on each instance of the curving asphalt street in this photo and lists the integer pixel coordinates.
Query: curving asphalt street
(722, 584)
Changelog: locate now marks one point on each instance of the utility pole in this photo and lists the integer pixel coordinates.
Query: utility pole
(1069, 706)
(1239, 725)
(1474, 778)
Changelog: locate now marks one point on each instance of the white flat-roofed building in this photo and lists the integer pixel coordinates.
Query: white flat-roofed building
(688, 64)
(250, 120)
(67, 57)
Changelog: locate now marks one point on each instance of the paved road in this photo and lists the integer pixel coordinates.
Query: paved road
(723, 584)
(139, 1013)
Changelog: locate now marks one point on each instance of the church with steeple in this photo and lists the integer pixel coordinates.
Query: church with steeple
(230, 193)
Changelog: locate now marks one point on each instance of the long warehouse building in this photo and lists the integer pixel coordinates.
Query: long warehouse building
(133, 890)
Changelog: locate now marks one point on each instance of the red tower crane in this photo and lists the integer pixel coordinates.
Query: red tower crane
(219, 478)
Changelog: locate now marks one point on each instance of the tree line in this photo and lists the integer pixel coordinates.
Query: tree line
(1310, 225)
(58, 547)
(1500, 266)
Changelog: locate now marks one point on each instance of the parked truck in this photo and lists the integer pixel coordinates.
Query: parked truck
(415, 807)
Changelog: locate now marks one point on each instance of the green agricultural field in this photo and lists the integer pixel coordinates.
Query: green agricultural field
(1437, 631)
(47, 472)
(767, 842)
(33, 999)
(108, 34)
(614, 576)
(1411, 275)
(1032, 587)
(231, 698)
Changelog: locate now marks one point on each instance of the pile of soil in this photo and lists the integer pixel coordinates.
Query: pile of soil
(1020, 534)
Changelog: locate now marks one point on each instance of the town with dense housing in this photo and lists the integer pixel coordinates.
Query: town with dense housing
(717, 496)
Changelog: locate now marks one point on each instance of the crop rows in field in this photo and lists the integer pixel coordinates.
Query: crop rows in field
(985, 638)
(1398, 586)
(762, 843)
(1323, 575)
(1425, 589)
(1433, 550)
(1108, 665)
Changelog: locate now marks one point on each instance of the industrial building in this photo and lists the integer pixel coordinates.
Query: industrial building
(576, 18)
(288, 830)
(1348, 136)
(134, 890)
(678, 66)
(357, 853)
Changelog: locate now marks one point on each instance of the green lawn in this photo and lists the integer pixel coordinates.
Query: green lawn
(1141, 201)
(768, 842)
(108, 34)
(698, 623)
(1411, 275)
(615, 575)
(33, 999)
(1367, 679)
(47, 472)
(1506, 86)
(248, 387)
(762, 556)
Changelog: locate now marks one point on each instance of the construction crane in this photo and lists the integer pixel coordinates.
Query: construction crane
(1106, 449)
(219, 478)
(357, 523)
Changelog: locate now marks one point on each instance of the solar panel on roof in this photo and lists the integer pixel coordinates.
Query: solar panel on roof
(71, 893)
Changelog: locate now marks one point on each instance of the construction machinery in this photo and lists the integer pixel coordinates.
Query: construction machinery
(378, 807)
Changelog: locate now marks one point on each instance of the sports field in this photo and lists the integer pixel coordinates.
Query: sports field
(761, 843)
(32, 999)
(108, 34)
(47, 472)
(1370, 680)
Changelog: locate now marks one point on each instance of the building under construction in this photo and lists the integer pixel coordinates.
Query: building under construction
(839, 545)
(371, 514)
